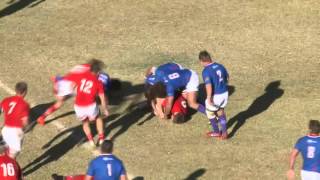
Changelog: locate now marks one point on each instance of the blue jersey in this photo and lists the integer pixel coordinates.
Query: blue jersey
(105, 79)
(216, 75)
(151, 79)
(106, 167)
(167, 68)
(309, 147)
(176, 80)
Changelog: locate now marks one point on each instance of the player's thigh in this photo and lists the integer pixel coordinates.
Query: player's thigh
(64, 88)
(221, 100)
(193, 83)
(87, 112)
(309, 175)
(13, 137)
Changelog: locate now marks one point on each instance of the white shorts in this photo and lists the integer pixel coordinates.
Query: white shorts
(193, 83)
(87, 112)
(13, 137)
(64, 88)
(221, 100)
(309, 175)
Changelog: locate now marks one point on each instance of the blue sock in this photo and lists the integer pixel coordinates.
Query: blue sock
(201, 109)
(223, 123)
(214, 125)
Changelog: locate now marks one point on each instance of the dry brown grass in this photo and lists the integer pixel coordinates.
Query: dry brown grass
(258, 41)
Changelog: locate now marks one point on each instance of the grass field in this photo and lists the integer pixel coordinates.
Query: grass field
(272, 44)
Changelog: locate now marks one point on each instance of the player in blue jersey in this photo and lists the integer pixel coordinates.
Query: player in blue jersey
(215, 77)
(309, 147)
(106, 166)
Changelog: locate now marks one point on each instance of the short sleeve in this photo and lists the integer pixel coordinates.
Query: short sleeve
(26, 110)
(90, 171)
(100, 87)
(299, 145)
(206, 77)
(170, 90)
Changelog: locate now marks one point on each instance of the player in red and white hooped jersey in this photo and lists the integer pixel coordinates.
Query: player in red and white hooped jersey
(63, 88)
(16, 113)
(9, 168)
(88, 87)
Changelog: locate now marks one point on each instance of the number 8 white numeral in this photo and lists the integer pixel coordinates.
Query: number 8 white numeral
(311, 151)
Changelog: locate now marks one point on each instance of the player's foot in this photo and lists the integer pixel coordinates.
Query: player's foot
(41, 120)
(213, 134)
(224, 136)
(92, 144)
(100, 142)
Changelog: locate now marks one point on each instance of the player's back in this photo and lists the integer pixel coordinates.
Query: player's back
(14, 108)
(176, 80)
(88, 87)
(217, 75)
(167, 68)
(106, 167)
(9, 169)
(309, 147)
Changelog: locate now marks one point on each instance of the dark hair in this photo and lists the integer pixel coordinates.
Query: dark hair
(107, 146)
(158, 90)
(96, 65)
(178, 118)
(21, 87)
(2, 148)
(204, 56)
(314, 126)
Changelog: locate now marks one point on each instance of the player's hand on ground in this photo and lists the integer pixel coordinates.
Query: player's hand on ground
(290, 174)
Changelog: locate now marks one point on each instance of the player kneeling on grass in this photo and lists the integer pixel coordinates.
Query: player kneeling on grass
(215, 77)
(309, 147)
(87, 88)
(9, 168)
(106, 166)
(16, 113)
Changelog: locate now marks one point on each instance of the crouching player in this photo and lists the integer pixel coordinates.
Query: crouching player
(16, 113)
(215, 77)
(87, 88)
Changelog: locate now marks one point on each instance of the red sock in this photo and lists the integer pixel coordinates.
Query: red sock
(50, 110)
(101, 136)
(89, 136)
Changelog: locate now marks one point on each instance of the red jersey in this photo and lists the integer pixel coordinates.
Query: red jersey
(9, 168)
(76, 70)
(15, 108)
(179, 105)
(88, 87)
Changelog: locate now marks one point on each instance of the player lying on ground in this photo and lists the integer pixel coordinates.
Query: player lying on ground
(16, 113)
(106, 166)
(88, 87)
(309, 147)
(9, 168)
(178, 79)
(157, 98)
(215, 77)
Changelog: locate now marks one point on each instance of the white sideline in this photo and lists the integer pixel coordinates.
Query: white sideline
(57, 124)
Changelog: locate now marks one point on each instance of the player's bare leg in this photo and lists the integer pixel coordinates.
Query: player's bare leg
(87, 131)
(223, 122)
(100, 129)
(192, 102)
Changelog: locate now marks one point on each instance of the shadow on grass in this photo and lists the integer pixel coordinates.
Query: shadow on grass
(60, 116)
(260, 104)
(196, 174)
(35, 112)
(138, 178)
(15, 6)
(55, 152)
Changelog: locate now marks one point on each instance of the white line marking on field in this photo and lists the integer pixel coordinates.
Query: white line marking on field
(57, 124)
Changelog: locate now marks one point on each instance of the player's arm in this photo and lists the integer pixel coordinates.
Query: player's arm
(88, 177)
(25, 118)
(208, 86)
(159, 107)
(103, 99)
(123, 177)
(293, 158)
(167, 108)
